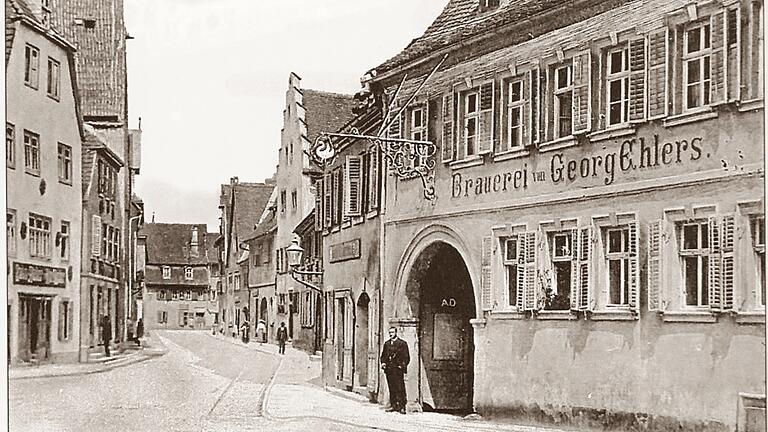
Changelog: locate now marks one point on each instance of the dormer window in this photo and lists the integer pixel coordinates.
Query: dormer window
(486, 5)
(88, 23)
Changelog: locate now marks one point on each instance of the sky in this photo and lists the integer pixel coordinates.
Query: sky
(208, 79)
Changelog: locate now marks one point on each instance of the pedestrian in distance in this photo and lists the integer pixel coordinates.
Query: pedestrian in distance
(245, 330)
(282, 337)
(139, 331)
(106, 333)
(394, 362)
(261, 331)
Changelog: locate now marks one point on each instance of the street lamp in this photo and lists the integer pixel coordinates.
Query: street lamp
(295, 252)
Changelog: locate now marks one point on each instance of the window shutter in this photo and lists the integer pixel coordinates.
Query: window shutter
(733, 59)
(319, 205)
(485, 275)
(327, 201)
(521, 254)
(62, 305)
(534, 106)
(714, 268)
(575, 269)
(449, 113)
(352, 182)
(728, 240)
(374, 181)
(717, 63)
(485, 139)
(654, 265)
(582, 92)
(96, 235)
(585, 269)
(529, 285)
(70, 318)
(159, 316)
(634, 265)
(395, 125)
(181, 319)
(637, 79)
(658, 46)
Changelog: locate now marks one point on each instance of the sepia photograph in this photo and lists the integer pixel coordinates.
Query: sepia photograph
(401, 216)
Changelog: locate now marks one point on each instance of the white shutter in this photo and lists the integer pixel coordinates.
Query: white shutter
(486, 261)
(717, 63)
(634, 265)
(318, 205)
(728, 241)
(585, 270)
(714, 267)
(96, 235)
(374, 181)
(327, 201)
(575, 293)
(449, 136)
(654, 265)
(582, 93)
(637, 79)
(534, 107)
(486, 126)
(352, 185)
(529, 285)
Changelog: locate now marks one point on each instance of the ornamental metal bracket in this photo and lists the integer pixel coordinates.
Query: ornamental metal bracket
(407, 159)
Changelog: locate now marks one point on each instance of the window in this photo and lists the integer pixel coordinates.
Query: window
(39, 236)
(758, 245)
(512, 255)
(31, 66)
(515, 106)
(32, 152)
(694, 252)
(418, 133)
(236, 280)
(558, 296)
(294, 201)
(64, 242)
(166, 272)
(696, 72)
(161, 295)
(471, 122)
(617, 78)
(53, 78)
(10, 231)
(10, 146)
(189, 273)
(162, 317)
(617, 255)
(65, 163)
(563, 101)
(282, 201)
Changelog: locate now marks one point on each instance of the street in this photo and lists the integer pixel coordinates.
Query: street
(207, 383)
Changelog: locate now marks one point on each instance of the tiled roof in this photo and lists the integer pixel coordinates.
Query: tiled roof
(170, 243)
(268, 225)
(461, 20)
(250, 201)
(211, 251)
(101, 59)
(326, 112)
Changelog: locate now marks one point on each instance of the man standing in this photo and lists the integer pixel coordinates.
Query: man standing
(394, 361)
(282, 336)
(106, 333)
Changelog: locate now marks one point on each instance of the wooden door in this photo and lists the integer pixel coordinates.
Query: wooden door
(373, 342)
(446, 354)
(349, 337)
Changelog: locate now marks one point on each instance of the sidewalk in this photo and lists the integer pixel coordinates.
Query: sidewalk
(292, 395)
(151, 347)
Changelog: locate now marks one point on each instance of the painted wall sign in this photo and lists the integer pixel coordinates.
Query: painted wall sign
(345, 251)
(30, 274)
(633, 154)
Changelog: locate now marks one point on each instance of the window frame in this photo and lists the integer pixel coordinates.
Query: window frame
(64, 243)
(510, 267)
(41, 247)
(10, 145)
(512, 105)
(31, 66)
(32, 158)
(557, 104)
(53, 88)
(704, 57)
(758, 249)
(623, 77)
(702, 255)
(466, 117)
(566, 257)
(64, 153)
(166, 272)
(189, 273)
(623, 256)
(417, 133)
(11, 222)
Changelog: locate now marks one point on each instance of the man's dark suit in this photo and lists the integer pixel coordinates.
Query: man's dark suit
(394, 360)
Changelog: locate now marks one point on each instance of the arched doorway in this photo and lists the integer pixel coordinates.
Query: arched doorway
(440, 288)
(361, 340)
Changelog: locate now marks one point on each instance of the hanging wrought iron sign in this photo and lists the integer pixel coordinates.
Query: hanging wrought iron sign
(406, 158)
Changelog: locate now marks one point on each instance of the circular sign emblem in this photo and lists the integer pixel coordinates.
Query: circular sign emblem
(323, 148)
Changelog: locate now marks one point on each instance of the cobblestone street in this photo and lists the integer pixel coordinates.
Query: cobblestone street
(209, 383)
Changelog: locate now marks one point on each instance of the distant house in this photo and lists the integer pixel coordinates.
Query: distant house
(261, 272)
(176, 276)
(43, 141)
(241, 205)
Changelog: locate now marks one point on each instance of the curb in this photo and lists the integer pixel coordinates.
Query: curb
(348, 395)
